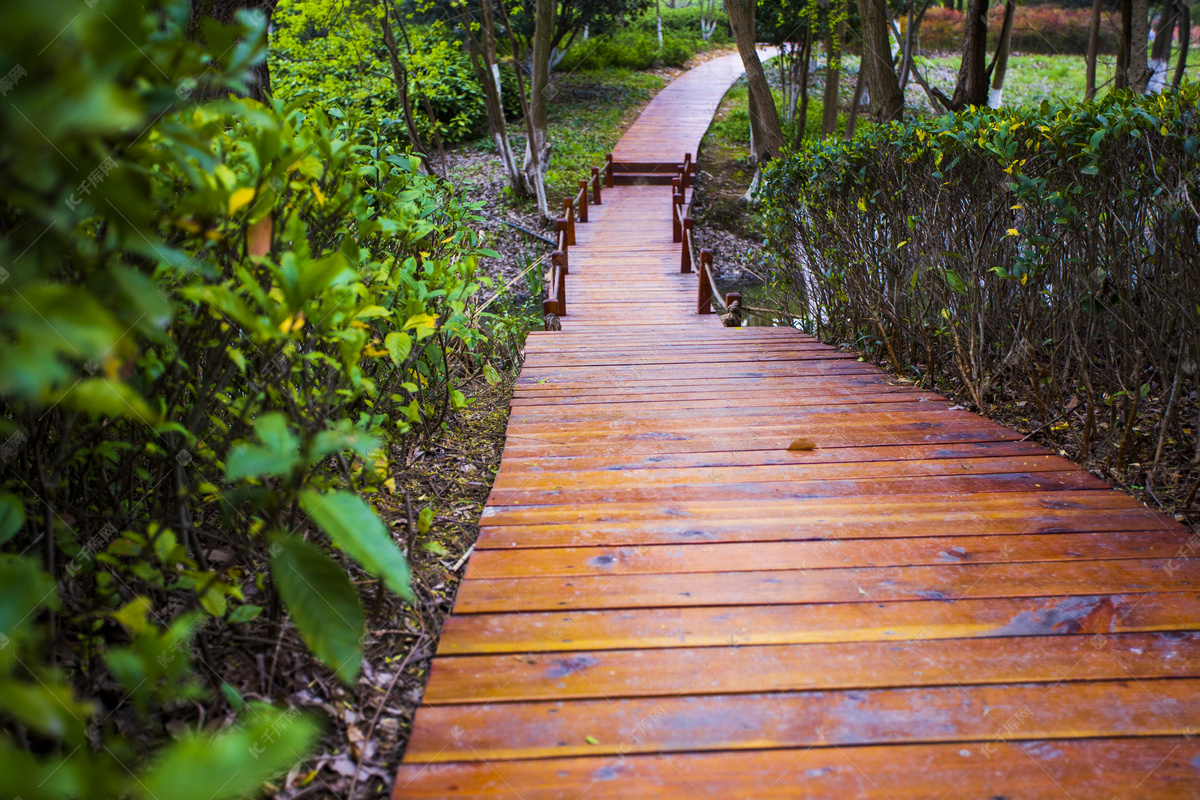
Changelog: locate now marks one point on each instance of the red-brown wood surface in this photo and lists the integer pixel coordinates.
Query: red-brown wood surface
(666, 601)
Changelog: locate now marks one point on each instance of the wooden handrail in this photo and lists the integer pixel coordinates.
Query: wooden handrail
(676, 217)
(705, 295)
(581, 201)
(685, 257)
(563, 241)
(569, 218)
(558, 281)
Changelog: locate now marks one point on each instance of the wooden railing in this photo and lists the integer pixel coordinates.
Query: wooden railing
(683, 231)
(574, 209)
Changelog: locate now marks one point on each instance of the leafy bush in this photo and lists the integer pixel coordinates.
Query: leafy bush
(636, 45)
(214, 320)
(1048, 250)
(327, 55)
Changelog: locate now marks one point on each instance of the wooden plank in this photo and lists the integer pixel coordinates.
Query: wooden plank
(1148, 769)
(1064, 709)
(535, 633)
(786, 668)
(850, 585)
(822, 554)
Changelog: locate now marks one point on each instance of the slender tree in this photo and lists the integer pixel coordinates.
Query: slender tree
(1185, 40)
(483, 57)
(971, 87)
(1093, 48)
(887, 101)
(1160, 52)
(1139, 67)
(770, 141)
(833, 72)
(1000, 63)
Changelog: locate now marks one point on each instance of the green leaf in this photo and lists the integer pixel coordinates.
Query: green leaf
(107, 398)
(353, 526)
(278, 454)
(323, 603)
(955, 283)
(23, 587)
(12, 516)
(244, 613)
(49, 710)
(335, 440)
(398, 345)
(232, 763)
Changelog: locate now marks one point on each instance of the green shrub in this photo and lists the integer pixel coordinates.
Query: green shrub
(214, 322)
(1052, 250)
(332, 56)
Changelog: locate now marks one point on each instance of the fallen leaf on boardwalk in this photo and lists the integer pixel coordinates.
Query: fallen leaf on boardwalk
(802, 444)
(592, 740)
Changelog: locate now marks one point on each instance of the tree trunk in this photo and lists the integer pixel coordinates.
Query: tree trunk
(806, 58)
(996, 95)
(400, 78)
(887, 101)
(1093, 49)
(658, 13)
(225, 12)
(971, 87)
(1121, 77)
(833, 74)
(1185, 39)
(483, 55)
(1160, 53)
(852, 118)
(537, 149)
(1139, 70)
(741, 19)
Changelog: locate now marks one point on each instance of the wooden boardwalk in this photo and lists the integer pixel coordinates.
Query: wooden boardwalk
(666, 602)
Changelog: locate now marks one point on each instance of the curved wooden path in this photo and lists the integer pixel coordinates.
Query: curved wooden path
(667, 602)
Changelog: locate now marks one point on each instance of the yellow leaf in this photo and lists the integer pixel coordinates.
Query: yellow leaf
(802, 444)
(1013, 232)
(861, 205)
(292, 323)
(239, 199)
(421, 321)
(318, 194)
(390, 485)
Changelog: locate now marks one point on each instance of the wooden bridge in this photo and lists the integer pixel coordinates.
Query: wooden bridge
(667, 602)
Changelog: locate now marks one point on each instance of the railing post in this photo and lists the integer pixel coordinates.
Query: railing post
(596, 185)
(569, 217)
(583, 204)
(559, 276)
(608, 171)
(550, 305)
(687, 170)
(560, 225)
(685, 259)
(676, 217)
(704, 298)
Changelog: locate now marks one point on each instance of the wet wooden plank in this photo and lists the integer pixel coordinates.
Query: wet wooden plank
(1148, 769)
(786, 668)
(822, 554)
(535, 633)
(551, 729)
(850, 585)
